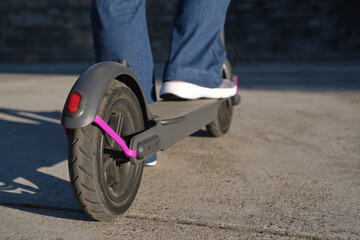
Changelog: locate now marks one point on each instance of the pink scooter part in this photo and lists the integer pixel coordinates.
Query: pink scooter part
(104, 126)
(236, 84)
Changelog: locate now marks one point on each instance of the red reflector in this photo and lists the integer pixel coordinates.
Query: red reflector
(74, 102)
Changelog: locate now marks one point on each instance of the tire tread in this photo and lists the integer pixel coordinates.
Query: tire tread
(82, 164)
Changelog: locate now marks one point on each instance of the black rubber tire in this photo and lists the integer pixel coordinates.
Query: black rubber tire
(104, 187)
(222, 124)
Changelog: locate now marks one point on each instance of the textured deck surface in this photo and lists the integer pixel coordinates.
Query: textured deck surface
(175, 109)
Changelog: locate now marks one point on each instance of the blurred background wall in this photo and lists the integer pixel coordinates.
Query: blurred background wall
(261, 30)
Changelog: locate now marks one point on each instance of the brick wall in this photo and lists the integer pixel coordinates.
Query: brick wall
(59, 31)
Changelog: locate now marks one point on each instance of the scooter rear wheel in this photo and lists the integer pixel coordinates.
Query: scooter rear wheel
(103, 179)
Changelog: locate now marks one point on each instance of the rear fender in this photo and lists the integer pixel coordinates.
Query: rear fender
(92, 84)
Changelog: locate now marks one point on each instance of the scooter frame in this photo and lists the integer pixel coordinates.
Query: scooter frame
(97, 184)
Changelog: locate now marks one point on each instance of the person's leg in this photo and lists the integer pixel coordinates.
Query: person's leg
(120, 32)
(197, 53)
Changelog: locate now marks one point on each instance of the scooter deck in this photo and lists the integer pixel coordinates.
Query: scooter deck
(170, 110)
(174, 120)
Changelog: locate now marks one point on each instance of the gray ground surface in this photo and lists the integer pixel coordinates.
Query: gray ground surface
(288, 169)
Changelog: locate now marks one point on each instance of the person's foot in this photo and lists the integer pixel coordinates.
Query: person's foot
(150, 162)
(184, 90)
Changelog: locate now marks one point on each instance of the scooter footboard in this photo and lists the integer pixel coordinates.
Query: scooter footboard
(168, 131)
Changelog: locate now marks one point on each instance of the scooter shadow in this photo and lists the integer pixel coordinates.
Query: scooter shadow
(201, 134)
(33, 167)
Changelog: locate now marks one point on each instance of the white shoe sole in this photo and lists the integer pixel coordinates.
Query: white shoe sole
(187, 90)
(150, 164)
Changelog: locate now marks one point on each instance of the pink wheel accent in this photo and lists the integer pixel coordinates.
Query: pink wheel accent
(236, 84)
(104, 126)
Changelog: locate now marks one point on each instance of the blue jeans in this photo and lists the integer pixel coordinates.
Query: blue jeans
(196, 53)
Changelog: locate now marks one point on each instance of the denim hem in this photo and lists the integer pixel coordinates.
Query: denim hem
(192, 75)
(152, 158)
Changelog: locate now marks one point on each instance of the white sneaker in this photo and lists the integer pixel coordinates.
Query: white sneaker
(187, 90)
(150, 162)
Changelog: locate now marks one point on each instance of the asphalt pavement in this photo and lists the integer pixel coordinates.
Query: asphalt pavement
(289, 168)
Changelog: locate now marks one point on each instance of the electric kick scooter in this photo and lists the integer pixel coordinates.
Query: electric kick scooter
(111, 131)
